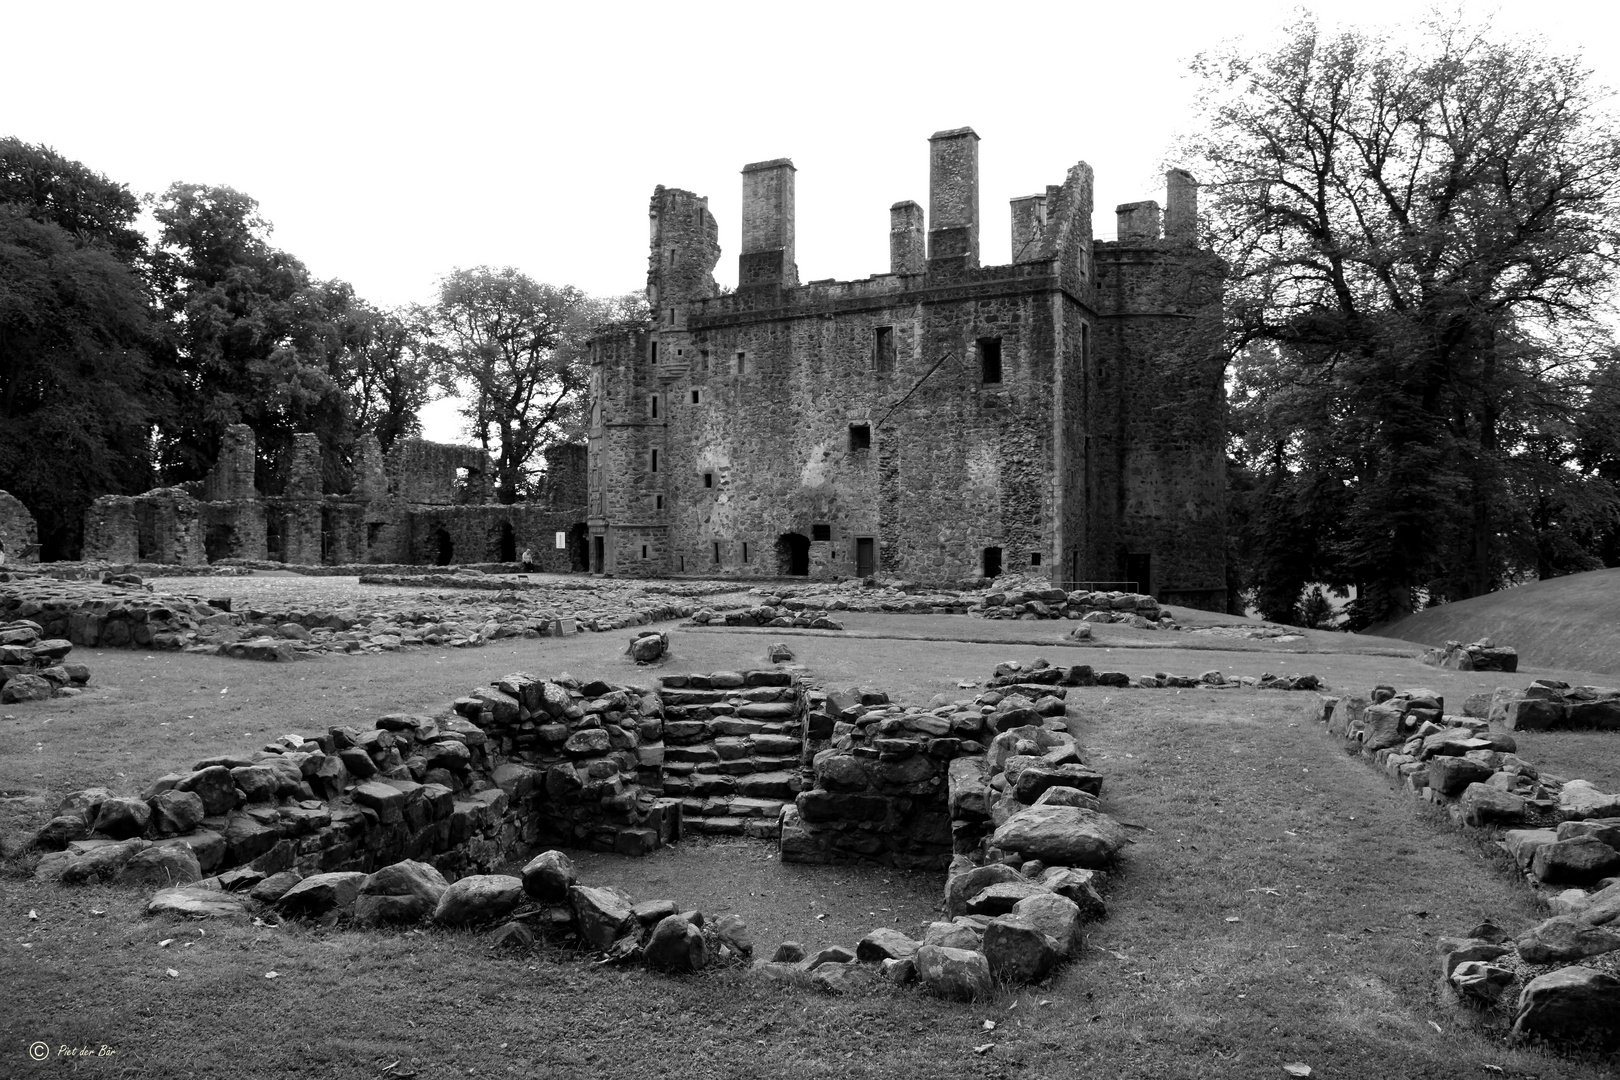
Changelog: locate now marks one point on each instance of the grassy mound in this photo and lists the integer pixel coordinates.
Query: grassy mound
(1569, 622)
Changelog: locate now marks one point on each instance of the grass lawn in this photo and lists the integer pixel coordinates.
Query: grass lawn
(1280, 903)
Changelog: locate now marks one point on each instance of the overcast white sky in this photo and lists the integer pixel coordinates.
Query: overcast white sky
(389, 143)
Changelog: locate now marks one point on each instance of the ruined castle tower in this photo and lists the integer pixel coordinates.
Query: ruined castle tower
(1061, 414)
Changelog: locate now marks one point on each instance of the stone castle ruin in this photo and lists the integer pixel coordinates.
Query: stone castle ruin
(421, 503)
(1061, 415)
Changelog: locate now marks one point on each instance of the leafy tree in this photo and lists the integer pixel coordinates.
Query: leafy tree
(252, 336)
(1420, 236)
(75, 379)
(69, 194)
(380, 363)
(514, 350)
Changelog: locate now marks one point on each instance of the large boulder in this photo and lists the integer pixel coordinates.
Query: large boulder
(885, 944)
(122, 817)
(24, 688)
(957, 974)
(960, 888)
(675, 944)
(1576, 1004)
(176, 812)
(549, 875)
(214, 786)
(403, 892)
(1581, 799)
(601, 915)
(1580, 860)
(478, 898)
(1563, 938)
(1058, 918)
(161, 866)
(197, 903)
(1062, 836)
(320, 894)
(1017, 950)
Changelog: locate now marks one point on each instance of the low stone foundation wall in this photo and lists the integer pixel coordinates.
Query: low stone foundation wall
(1563, 834)
(34, 667)
(1548, 704)
(1481, 655)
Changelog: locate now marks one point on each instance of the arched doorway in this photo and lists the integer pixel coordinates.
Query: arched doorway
(793, 555)
(443, 549)
(508, 543)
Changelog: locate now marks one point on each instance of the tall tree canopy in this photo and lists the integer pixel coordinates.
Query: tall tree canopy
(1421, 240)
(253, 335)
(514, 350)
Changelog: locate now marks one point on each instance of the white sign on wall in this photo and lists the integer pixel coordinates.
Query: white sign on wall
(562, 541)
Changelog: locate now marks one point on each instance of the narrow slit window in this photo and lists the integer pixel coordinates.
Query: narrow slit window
(860, 436)
(643, 551)
(717, 553)
(653, 401)
(883, 348)
(708, 479)
(990, 360)
(654, 353)
(742, 362)
(658, 502)
(655, 460)
(745, 551)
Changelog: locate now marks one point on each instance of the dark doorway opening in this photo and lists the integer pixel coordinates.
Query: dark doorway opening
(1139, 568)
(598, 554)
(442, 548)
(219, 543)
(992, 562)
(865, 551)
(328, 538)
(272, 540)
(579, 547)
(793, 554)
(508, 544)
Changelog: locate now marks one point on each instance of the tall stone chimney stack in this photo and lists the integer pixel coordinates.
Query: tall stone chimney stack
(767, 226)
(953, 198)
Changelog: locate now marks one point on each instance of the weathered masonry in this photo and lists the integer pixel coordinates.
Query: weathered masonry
(421, 503)
(945, 420)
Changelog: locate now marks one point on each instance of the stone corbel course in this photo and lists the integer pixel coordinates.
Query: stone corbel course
(1563, 834)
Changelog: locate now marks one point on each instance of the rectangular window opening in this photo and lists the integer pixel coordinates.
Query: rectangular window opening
(708, 479)
(821, 532)
(703, 361)
(655, 460)
(654, 353)
(697, 397)
(860, 436)
(990, 363)
(745, 551)
(654, 402)
(658, 502)
(717, 553)
(1034, 558)
(883, 348)
(742, 362)
(643, 551)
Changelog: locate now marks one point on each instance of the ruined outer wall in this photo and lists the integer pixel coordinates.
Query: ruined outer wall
(18, 530)
(476, 531)
(422, 472)
(1160, 437)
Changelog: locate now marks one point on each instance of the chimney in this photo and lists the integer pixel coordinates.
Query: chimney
(1138, 220)
(1180, 207)
(1028, 226)
(906, 246)
(767, 226)
(953, 198)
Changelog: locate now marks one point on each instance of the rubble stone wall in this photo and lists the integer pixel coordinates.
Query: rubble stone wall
(18, 530)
